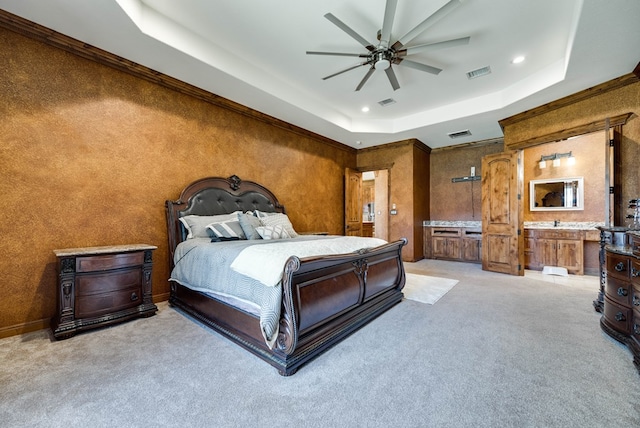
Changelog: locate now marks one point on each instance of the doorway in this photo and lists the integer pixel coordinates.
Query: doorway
(375, 204)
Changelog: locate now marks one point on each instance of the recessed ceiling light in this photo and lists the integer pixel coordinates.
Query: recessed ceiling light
(365, 109)
(517, 60)
(358, 142)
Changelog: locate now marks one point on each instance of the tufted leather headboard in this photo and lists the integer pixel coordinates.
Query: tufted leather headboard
(213, 196)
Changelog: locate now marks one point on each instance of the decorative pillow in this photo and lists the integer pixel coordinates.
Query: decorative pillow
(249, 222)
(272, 232)
(196, 225)
(226, 230)
(277, 219)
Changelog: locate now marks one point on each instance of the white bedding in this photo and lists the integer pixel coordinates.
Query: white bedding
(265, 263)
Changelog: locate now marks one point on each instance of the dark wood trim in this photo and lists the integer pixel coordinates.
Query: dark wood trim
(471, 145)
(563, 134)
(627, 79)
(410, 142)
(53, 38)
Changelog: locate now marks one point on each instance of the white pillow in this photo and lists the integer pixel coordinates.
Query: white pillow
(196, 225)
(272, 232)
(277, 219)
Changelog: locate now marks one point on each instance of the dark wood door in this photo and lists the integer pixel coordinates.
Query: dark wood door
(502, 240)
(353, 202)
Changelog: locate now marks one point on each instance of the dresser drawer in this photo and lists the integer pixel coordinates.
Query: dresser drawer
(617, 266)
(634, 272)
(109, 261)
(619, 291)
(99, 304)
(617, 317)
(635, 326)
(89, 284)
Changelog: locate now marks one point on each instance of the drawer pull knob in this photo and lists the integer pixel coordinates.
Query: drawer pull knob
(622, 291)
(620, 317)
(636, 329)
(620, 267)
(134, 296)
(636, 301)
(635, 272)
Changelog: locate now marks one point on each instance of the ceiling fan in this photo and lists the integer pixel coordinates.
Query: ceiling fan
(382, 56)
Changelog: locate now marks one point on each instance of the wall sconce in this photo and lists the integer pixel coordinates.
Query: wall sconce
(571, 160)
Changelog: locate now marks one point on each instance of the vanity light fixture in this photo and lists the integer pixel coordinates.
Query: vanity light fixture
(571, 160)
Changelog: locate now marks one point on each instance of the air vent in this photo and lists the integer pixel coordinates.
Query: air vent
(387, 102)
(479, 72)
(459, 134)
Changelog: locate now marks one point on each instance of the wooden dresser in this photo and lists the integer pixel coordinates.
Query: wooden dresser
(621, 314)
(98, 286)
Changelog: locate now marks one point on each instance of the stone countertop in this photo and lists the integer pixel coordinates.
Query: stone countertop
(102, 250)
(573, 225)
(581, 225)
(442, 223)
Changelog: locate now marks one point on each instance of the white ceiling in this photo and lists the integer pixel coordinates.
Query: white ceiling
(254, 52)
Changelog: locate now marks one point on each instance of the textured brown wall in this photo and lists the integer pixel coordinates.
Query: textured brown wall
(589, 151)
(458, 201)
(605, 104)
(408, 160)
(88, 155)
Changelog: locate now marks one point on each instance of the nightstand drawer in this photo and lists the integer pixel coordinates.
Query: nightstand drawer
(87, 284)
(617, 316)
(98, 304)
(619, 291)
(109, 261)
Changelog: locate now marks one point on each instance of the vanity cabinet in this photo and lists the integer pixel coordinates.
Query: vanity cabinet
(445, 243)
(546, 247)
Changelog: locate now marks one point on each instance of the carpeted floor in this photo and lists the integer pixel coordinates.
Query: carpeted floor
(495, 351)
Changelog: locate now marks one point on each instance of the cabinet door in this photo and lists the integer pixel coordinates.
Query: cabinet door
(569, 255)
(547, 252)
(530, 254)
(439, 246)
(471, 250)
(453, 248)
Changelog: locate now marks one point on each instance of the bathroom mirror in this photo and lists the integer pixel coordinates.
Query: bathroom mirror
(557, 194)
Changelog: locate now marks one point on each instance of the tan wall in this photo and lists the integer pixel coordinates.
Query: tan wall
(611, 103)
(407, 163)
(458, 201)
(88, 156)
(589, 151)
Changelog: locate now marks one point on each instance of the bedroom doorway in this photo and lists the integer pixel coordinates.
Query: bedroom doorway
(375, 204)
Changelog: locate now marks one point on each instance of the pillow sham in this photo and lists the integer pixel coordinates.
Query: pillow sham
(226, 230)
(277, 219)
(248, 223)
(196, 225)
(272, 232)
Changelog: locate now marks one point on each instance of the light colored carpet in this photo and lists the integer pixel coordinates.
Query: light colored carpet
(426, 289)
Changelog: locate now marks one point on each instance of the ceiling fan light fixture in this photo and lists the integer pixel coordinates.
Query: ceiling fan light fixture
(382, 64)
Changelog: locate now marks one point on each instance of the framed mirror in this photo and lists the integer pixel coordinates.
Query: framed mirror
(557, 194)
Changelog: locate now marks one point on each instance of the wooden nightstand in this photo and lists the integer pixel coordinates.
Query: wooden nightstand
(98, 286)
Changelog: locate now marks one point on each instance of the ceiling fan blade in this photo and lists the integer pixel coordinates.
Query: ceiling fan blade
(418, 66)
(344, 27)
(435, 17)
(344, 71)
(434, 46)
(392, 78)
(365, 78)
(337, 54)
(387, 24)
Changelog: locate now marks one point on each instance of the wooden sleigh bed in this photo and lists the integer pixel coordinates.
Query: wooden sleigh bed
(324, 298)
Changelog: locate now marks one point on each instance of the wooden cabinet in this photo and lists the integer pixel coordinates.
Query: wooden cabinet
(564, 248)
(453, 243)
(621, 313)
(98, 286)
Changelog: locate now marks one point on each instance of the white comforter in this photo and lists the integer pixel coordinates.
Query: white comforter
(265, 263)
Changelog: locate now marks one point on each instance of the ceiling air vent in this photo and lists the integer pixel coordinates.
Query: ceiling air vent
(459, 134)
(479, 72)
(387, 102)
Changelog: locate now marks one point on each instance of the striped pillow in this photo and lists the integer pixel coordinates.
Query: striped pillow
(226, 230)
(272, 232)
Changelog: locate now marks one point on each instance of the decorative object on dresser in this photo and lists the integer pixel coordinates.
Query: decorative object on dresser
(319, 300)
(621, 313)
(99, 286)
